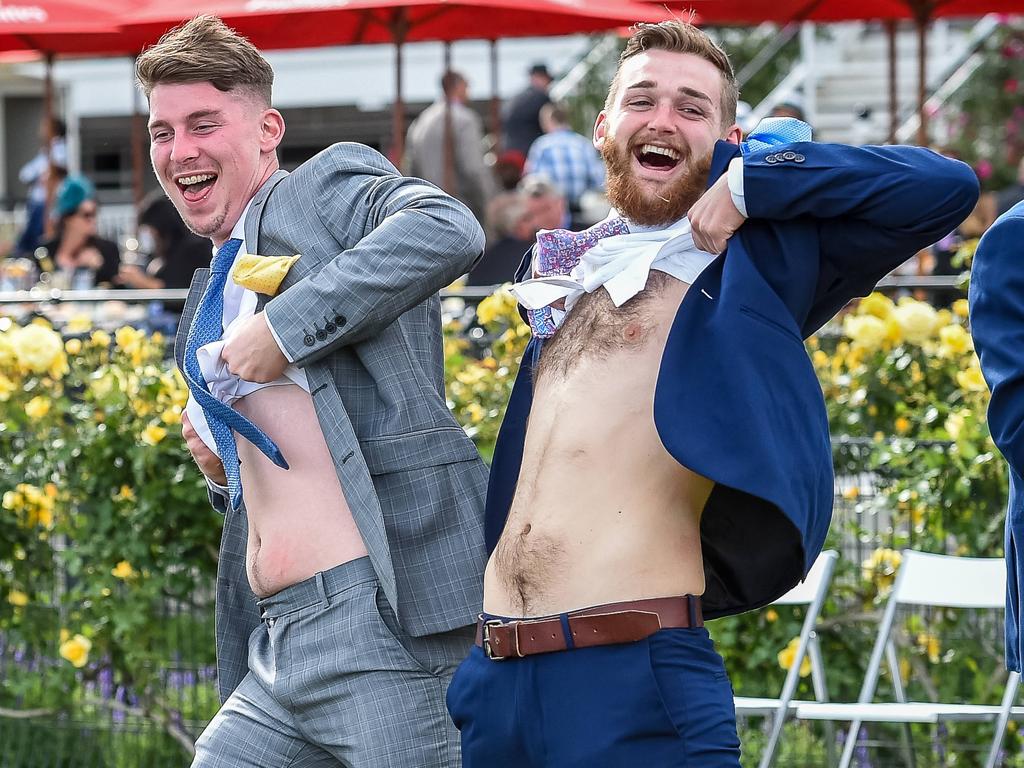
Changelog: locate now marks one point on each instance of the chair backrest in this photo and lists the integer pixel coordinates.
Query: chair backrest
(950, 581)
(816, 582)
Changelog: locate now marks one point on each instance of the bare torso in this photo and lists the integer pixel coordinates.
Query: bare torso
(299, 520)
(602, 513)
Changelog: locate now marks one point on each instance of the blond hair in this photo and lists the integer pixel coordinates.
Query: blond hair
(206, 50)
(681, 37)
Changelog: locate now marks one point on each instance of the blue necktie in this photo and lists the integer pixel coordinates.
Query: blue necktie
(222, 419)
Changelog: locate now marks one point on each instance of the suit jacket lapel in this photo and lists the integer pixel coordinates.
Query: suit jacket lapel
(195, 293)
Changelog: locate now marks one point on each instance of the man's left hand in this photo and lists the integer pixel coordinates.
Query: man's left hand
(252, 353)
(714, 217)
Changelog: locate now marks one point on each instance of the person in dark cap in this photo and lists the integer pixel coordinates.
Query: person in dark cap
(77, 250)
(520, 118)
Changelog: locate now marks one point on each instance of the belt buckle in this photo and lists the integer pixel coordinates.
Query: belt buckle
(485, 639)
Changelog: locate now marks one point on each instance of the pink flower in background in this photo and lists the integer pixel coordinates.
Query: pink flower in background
(984, 169)
(1010, 85)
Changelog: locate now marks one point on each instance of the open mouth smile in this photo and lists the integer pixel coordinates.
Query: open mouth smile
(196, 187)
(654, 157)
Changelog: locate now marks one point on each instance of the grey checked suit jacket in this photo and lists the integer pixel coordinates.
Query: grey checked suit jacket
(359, 313)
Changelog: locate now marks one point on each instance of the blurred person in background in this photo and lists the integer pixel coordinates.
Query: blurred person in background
(425, 146)
(36, 174)
(520, 118)
(568, 159)
(76, 252)
(175, 252)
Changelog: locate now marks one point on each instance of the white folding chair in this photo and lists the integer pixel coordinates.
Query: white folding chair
(810, 592)
(925, 580)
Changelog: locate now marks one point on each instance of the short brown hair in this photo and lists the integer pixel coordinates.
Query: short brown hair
(681, 37)
(205, 50)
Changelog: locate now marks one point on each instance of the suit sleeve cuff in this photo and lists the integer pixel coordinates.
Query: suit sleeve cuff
(736, 185)
(277, 338)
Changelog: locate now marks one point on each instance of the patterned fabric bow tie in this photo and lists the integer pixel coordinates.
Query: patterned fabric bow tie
(773, 131)
(558, 251)
(223, 420)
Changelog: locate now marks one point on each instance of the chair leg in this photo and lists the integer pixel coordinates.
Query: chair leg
(907, 740)
(1009, 695)
(851, 744)
(778, 721)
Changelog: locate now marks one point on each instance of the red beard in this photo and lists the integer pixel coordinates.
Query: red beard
(652, 209)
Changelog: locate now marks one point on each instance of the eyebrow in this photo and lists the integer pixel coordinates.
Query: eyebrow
(193, 116)
(684, 90)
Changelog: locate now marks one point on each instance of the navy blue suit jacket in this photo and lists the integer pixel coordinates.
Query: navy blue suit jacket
(737, 399)
(997, 324)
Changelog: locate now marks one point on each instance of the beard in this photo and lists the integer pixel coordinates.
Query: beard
(640, 206)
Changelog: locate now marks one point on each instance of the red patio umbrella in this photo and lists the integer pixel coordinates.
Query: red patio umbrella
(275, 24)
(922, 12)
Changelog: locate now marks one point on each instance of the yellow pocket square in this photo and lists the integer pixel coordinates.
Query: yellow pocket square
(262, 274)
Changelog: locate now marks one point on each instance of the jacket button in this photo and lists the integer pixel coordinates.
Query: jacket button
(771, 159)
(789, 155)
(321, 335)
(331, 328)
(799, 158)
(308, 340)
(340, 320)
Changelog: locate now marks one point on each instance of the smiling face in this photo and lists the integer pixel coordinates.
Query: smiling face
(211, 152)
(658, 134)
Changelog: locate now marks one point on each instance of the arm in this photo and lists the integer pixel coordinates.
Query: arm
(997, 325)
(414, 241)
(877, 206)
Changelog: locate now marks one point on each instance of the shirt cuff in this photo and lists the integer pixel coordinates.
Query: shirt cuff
(217, 487)
(277, 338)
(736, 185)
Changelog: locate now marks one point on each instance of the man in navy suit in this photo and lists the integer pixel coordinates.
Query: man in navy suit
(997, 324)
(665, 453)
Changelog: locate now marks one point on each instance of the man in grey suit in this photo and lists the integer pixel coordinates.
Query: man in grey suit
(350, 570)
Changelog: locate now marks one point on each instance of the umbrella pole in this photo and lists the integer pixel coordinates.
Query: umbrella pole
(399, 29)
(894, 117)
(495, 98)
(136, 139)
(51, 168)
(449, 130)
(922, 80)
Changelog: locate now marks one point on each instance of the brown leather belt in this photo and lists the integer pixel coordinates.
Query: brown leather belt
(608, 624)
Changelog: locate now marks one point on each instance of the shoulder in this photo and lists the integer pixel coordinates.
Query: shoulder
(343, 158)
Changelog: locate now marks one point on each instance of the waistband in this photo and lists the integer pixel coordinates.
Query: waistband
(319, 588)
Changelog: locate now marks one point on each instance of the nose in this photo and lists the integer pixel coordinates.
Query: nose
(183, 148)
(662, 118)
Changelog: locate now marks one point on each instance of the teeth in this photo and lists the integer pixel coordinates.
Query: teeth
(190, 180)
(656, 150)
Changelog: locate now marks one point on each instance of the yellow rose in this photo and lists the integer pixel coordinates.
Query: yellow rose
(128, 338)
(487, 310)
(7, 387)
(153, 434)
(771, 616)
(37, 407)
(123, 570)
(970, 379)
(819, 358)
(881, 567)
(36, 347)
(16, 598)
(78, 324)
(954, 424)
(960, 308)
(76, 650)
(866, 331)
(929, 643)
(902, 425)
(917, 320)
(6, 349)
(955, 340)
(73, 346)
(126, 493)
(171, 416)
(788, 655)
(877, 304)
(13, 500)
(100, 339)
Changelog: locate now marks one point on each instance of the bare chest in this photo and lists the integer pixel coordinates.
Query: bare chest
(597, 329)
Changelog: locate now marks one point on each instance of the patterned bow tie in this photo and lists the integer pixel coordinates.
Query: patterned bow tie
(222, 419)
(558, 252)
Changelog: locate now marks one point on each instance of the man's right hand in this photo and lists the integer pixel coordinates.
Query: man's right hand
(208, 461)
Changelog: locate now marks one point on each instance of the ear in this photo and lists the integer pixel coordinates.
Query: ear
(271, 130)
(600, 129)
(734, 135)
